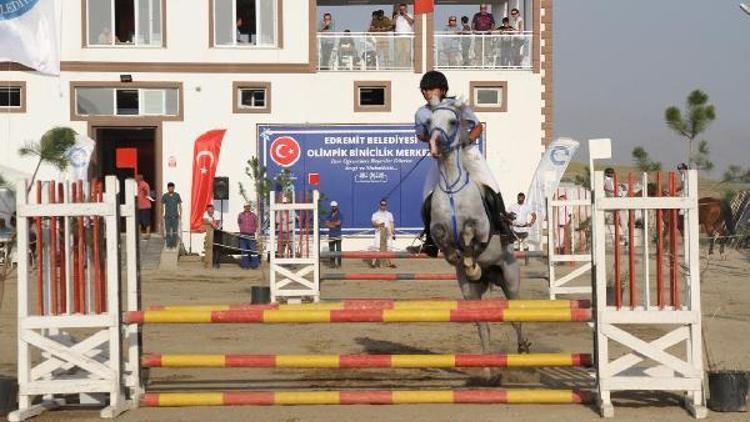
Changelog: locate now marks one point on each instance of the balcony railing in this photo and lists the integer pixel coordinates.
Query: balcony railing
(483, 50)
(365, 51)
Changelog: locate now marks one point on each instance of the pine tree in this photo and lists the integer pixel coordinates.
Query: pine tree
(697, 117)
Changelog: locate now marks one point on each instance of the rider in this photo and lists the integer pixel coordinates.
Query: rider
(435, 84)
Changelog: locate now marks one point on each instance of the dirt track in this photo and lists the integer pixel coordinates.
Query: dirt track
(726, 315)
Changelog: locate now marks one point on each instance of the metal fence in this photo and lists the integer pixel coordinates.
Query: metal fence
(365, 51)
(483, 50)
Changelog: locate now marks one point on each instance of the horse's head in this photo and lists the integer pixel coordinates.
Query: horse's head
(446, 127)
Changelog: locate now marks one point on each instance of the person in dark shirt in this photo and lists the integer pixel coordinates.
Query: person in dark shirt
(172, 213)
(482, 24)
(334, 221)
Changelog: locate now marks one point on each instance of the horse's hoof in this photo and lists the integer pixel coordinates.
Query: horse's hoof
(524, 346)
(474, 273)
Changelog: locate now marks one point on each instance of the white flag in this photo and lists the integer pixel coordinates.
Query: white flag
(28, 34)
(550, 170)
(79, 156)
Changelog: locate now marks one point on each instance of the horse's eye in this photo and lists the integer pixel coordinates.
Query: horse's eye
(429, 122)
(453, 122)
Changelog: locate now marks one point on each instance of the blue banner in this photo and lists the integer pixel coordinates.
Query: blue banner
(354, 165)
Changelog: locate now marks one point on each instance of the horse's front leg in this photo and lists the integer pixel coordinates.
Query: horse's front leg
(468, 235)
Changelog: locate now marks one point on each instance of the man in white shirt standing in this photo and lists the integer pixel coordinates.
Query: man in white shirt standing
(563, 217)
(523, 218)
(385, 233)
(404, 29)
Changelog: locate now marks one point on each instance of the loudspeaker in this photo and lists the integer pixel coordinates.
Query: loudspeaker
(221, 188)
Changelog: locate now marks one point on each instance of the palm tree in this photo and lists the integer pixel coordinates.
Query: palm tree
(51, 149)
(698, 117)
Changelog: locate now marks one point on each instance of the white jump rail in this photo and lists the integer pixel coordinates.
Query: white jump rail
(85, 366)
(297, 277)
(559, 285)
(648, 364)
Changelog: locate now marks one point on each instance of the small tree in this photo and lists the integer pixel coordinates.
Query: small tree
(583, 179)
(697, 117)
(51, 149)
(736, 174)
(643, 161)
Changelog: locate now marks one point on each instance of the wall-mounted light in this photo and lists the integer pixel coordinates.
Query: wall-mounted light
(126, 78)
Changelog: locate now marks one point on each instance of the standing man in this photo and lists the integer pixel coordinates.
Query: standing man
(385, 233)
(381, 24)
(451, 46)
(404, 28)
(326, 43)
(482, 24)
(519, 41)
(172, 214)
(248, 223)
(213, 236)
(334, 222)
(144, 205)
(523, 218)
(563, 232)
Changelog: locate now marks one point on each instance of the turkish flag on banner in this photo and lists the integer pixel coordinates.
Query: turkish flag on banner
(205, 159)
(423, 6)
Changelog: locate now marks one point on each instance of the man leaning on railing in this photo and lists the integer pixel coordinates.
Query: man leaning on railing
(404, 28)
(326, 43)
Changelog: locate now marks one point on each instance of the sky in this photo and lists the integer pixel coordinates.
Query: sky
(619, 64)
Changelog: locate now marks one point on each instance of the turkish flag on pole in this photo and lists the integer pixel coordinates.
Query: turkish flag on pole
(423, 6)
(205, 159)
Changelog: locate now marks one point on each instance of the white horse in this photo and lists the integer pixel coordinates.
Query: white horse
(460, 226)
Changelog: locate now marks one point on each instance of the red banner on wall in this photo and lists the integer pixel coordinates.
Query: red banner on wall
(423, 6)
(205, 159)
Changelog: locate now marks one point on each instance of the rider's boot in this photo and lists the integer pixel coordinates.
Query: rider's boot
(428, 245)
(497, 210)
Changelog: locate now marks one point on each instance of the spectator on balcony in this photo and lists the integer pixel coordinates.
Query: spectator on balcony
(404, 29)
(348, 56)
(326, 43)
(382, 25)
(450, 46)
(466, 42)
(519, 41)
(482, 24)
(505, 43)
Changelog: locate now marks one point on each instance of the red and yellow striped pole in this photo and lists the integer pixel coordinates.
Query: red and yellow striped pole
(392, 304)
(271, 398)
(275, 316)
(367, 361)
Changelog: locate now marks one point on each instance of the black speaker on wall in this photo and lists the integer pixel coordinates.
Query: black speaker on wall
(221, 188)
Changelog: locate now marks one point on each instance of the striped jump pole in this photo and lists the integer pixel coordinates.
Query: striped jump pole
(354, 397)
(391, 304)
(275, 316)
(408, 255)
(368, 361)
(406, 276)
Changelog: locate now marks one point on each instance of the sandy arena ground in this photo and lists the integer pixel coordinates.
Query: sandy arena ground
(726, 294)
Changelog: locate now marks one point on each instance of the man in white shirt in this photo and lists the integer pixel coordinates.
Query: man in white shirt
(385, 233)
(523, 218)
(404, 29)
(213, 237)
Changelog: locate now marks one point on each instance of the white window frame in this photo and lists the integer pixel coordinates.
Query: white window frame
(136, 27)
(498, 90)
(20, 97)
(141, 102)
(258, 28)
(253, 107)
(500, 86)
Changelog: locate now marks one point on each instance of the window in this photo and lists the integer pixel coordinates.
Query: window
(244, 23)
(252, 97)
(127, 101)
(489, 96)
(372, 96)
(12, 97)
(124, 22)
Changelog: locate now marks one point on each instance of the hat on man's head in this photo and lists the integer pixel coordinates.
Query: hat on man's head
(248, 204)
(334, 204)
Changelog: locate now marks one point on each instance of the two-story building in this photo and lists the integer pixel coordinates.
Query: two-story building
(155, 74)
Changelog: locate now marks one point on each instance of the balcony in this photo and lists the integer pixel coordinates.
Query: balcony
(365, 51)
(483, 51)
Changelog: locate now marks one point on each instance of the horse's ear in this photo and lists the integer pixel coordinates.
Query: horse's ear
(460, 101)
(434, 101)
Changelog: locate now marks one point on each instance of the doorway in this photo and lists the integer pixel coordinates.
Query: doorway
(144, 141)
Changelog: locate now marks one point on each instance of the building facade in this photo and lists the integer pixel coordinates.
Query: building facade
(155, 74)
